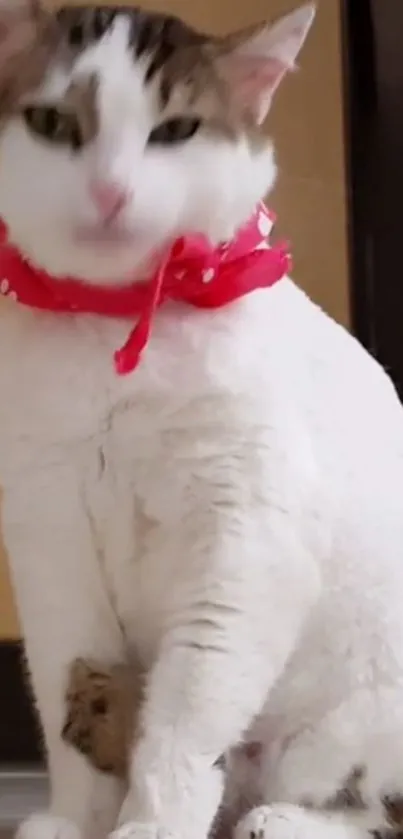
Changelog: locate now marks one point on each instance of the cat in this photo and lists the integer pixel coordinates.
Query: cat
(230, 511)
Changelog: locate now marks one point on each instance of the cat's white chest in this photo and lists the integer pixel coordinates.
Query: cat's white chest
(132, 497)
(126, 440)
(60, 390)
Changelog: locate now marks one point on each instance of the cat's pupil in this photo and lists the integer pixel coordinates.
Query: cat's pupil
(51, 121)
(44, 121)
(76, 137)
(76, 35)
(174, 131)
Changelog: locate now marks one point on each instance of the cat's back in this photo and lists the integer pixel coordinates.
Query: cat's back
(342, 392)
(346, 413)
(348, 410)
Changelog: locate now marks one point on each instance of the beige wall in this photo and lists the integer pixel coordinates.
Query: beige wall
(306, 122)
(8, 618)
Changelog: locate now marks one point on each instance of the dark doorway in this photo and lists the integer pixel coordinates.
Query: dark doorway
(19, 729)
(373, 52)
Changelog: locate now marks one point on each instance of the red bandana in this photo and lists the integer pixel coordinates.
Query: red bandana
(193, 272)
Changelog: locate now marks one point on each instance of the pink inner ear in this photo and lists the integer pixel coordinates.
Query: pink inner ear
(254, 76)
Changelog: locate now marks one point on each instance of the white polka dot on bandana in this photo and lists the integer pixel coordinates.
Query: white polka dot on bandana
(208, 275)
(264, 224)
(6, 291)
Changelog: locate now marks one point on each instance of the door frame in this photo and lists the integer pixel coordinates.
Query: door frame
(373, 91)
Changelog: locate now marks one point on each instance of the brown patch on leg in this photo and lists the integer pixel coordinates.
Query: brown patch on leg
(102, 705)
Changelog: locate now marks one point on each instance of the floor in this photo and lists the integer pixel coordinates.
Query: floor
(21, 793)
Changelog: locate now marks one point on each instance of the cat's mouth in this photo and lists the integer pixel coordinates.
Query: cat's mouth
(107, 235)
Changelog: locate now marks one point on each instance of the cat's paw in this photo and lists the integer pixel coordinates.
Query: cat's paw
(138, 830)
(281, 821)
(46, 826)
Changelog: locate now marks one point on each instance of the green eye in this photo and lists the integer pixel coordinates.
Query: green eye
(174, 131)
(55, 126)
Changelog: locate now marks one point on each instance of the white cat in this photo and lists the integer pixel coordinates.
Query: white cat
(232, 510)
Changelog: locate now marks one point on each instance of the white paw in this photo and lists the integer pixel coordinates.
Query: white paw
(282, 821)
(46, 826)
(138, 830)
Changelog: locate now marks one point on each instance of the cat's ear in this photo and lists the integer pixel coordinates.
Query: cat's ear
(254, 61)
(18, 22)
(26, 38)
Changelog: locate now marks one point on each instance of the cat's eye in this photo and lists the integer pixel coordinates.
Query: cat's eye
(54, 125)
(174, 131)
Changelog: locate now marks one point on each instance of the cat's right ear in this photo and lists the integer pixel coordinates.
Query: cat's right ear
(18, 26)
(26, 36)
(254, 60)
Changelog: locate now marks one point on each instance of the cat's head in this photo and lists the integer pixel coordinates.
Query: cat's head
(121, 129)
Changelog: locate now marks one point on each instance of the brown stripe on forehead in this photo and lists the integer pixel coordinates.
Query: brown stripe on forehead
(160, 36)
(157, 34)
(153, 35)
(83, 25)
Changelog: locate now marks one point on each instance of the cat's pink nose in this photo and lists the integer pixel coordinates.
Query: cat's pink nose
(109, 197)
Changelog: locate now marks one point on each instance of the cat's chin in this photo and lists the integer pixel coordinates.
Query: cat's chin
(88, 256)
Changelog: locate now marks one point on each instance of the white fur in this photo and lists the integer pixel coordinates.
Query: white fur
(232, 511)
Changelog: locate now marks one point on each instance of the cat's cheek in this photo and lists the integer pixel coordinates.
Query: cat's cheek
(162, 194)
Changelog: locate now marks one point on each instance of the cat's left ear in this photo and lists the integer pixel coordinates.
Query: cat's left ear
(254, 61)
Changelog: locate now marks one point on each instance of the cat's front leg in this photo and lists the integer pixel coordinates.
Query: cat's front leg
(64, 614)
(243, 592)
